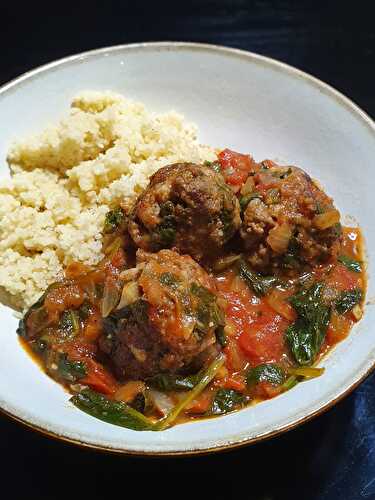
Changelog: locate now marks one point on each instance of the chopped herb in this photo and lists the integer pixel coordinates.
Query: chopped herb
(207, 310)
(226, 400)
(351, 264)
(113, 220)
(306, 335)
(169, 279)
(266, 372)
(347, 300)
(261, 285)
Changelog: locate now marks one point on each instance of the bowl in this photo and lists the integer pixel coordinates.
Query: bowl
(242, 101)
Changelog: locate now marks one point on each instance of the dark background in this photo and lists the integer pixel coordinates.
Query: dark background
(334, 455)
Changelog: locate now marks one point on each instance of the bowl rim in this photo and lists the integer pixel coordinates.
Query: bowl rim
(327, 89)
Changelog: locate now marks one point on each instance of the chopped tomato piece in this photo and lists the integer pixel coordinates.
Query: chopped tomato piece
(201, 404)
(61, 298)
(340, 278)
(235, 382)
(263, 340)
(93, 326)
(265, 390)
(98, 378)
(75, 270)
(236, 166)
(118, 260)
(338, 328)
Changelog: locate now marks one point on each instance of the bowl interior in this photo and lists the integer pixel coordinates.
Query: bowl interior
(241, 101)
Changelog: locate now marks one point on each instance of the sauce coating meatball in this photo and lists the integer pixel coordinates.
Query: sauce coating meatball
(288, 220)
(188, 207)
(170, 320)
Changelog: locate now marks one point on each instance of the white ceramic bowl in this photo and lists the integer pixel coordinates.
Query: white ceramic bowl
(242, 101)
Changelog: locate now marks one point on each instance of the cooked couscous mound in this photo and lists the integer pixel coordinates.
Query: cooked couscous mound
(64, 180)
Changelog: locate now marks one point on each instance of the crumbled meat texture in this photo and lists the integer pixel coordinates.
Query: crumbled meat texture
(288, 196)
(157, 333)
(188, 207)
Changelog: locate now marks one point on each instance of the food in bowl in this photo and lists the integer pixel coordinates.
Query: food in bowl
(217, 283)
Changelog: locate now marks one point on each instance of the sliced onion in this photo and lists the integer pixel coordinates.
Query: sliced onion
(162, 403)
(277, 299)
(279, 237)
(129, 294)
(357, 312)
(248, 187)
(225, 262)
(111, 296)
(327, 219)
(130, 274)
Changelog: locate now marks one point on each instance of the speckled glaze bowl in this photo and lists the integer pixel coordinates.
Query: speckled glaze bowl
(242, 101)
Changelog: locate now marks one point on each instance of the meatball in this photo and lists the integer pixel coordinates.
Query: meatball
(168, 324)
(188, 207)
(288, 221)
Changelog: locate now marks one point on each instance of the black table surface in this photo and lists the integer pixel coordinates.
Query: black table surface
(332, 456)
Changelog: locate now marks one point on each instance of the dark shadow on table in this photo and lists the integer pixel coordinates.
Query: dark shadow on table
(314, 461)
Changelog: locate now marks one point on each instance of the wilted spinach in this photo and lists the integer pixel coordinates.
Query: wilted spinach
(113, 412)
(347, 300)
(261, 285)
(306, 335)
(266, 372)
(226, 400)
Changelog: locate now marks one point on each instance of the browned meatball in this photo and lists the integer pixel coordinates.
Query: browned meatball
(288, 221)
(188, 207)
(169, 320)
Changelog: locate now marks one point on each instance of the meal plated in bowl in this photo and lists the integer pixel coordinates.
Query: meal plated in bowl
(255, 249)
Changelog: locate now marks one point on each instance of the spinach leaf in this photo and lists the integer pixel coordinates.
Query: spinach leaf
(70, 370)
(261, 285)
(306, 335)
(113, 220)
(208, 313)
(347, 300)
(266, 372)
(226, 218)
(220, 336)
(113, 412)
(351, 264)
(165, 382)
(226, 400)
